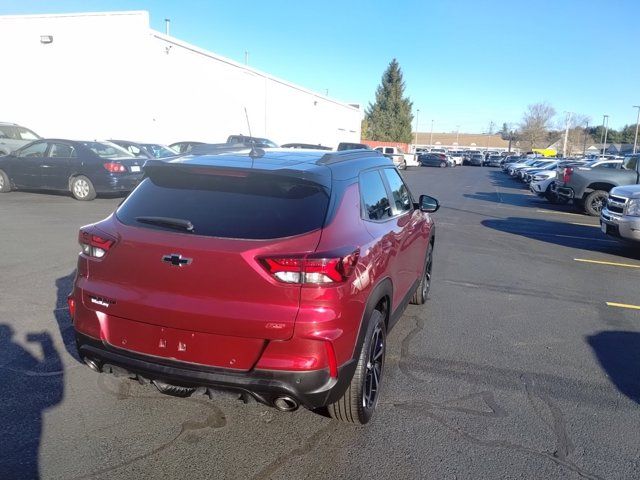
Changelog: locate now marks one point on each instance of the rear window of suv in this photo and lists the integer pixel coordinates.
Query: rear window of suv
(252, 206)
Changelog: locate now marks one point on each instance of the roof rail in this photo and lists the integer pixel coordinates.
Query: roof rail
(345, 155)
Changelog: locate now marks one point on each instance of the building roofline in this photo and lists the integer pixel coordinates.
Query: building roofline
(76, 14)
(228, 61)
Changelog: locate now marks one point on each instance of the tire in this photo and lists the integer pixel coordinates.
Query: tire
(356, 405)
(443, 164)
(5, 183)
(594, 202)
(422, 291)
(82, 188)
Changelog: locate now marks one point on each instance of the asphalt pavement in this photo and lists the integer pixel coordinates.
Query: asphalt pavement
(524, 363)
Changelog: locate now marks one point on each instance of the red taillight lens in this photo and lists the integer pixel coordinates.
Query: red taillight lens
(316, 270)
(566, 174)
(115, 167)
(93, 245)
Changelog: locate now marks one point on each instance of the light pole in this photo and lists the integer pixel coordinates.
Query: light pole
(431, 137)
(489, 134)
(635, 141)
(457, 135)
(566, 135)
(416, 140)
(584, 146)
(605, 121)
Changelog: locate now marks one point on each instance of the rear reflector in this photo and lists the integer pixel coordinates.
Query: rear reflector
(316, 270)
(72, 307)
(93, 245)
(115, 167)
(331, 359)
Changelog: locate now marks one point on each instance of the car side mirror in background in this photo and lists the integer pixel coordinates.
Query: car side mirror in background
(428, 204)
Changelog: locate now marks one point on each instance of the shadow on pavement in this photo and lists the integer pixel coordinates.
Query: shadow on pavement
(619, 355)
(564, 234)
(61, 313)
(28, 387)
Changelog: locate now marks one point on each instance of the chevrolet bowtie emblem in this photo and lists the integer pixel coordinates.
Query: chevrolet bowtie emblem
(176, 260)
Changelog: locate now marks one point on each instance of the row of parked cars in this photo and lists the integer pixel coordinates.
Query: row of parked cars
(604, 187)
(453, 158)
(114, 166)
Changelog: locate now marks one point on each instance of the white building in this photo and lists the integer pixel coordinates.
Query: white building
(109, 75)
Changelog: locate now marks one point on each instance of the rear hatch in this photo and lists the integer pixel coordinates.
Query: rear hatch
(184, 266)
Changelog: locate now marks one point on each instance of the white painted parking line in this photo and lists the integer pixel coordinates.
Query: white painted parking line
(559, 213)
(585, 224)
(603, 262)
(623, 305)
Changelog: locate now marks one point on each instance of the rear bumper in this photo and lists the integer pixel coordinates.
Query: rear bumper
(117, 182)
(312, 389)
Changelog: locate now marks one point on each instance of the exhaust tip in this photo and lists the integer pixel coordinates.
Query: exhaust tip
(92, 364)
(285, 404)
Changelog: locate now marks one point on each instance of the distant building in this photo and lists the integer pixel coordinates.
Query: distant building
(109, 75)
(467, 141)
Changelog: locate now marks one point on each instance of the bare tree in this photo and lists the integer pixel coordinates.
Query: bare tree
(536, 123)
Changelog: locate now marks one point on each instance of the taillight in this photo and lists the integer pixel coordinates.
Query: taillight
(115, 167)
(93, 245)
(314, 270)
(566, 174)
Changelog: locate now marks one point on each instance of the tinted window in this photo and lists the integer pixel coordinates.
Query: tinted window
(255, 206)
(401, 197)
(630, 163)
(374, 196)
(61, 150)
(34, 150)
(107, 150)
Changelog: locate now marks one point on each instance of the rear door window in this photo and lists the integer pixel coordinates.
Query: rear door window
(375, 202)
(245, 206)
(61, 150)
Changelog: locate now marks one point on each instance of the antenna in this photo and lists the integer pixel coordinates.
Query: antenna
(254, 152)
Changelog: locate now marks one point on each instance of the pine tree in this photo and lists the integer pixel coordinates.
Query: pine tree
(389, 118)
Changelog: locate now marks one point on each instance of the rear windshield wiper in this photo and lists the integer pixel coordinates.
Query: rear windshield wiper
(177, 223)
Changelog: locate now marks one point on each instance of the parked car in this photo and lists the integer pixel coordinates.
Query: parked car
(398, 161)
(589, 188)
(286, 294)
(542, 183)
(457, 156)
(305, 146)
(620, 218)
(510, 159)
(520, 173)
(407, 158)
(184, 147)
(493, 161)
(13, 136)
(257, 142)
(352, 146)
(433, 160)
(146, 150)
(476, 159)
(82, 168)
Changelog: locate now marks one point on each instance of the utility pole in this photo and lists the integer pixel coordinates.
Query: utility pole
(457, 135)
(167, 24)
(246, 57)
(489, 134)
(431, 138)
(635, 141)
(415, 143)
(605, 120)
(566, 135)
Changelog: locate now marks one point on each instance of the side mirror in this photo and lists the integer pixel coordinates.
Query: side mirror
(428, 204)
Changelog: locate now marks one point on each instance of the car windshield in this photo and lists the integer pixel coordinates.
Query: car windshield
(159, 151)
(107, 150)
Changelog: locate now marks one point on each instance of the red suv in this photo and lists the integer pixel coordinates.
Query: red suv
(275, 274)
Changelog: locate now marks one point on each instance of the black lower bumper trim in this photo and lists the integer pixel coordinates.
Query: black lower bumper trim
(312, 389)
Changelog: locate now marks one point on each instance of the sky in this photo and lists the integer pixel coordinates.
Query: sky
(466, 63)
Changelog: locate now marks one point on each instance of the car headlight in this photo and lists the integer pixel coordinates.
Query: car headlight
(633, 207)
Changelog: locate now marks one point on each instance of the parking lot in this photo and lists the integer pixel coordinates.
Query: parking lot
(523, 364)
